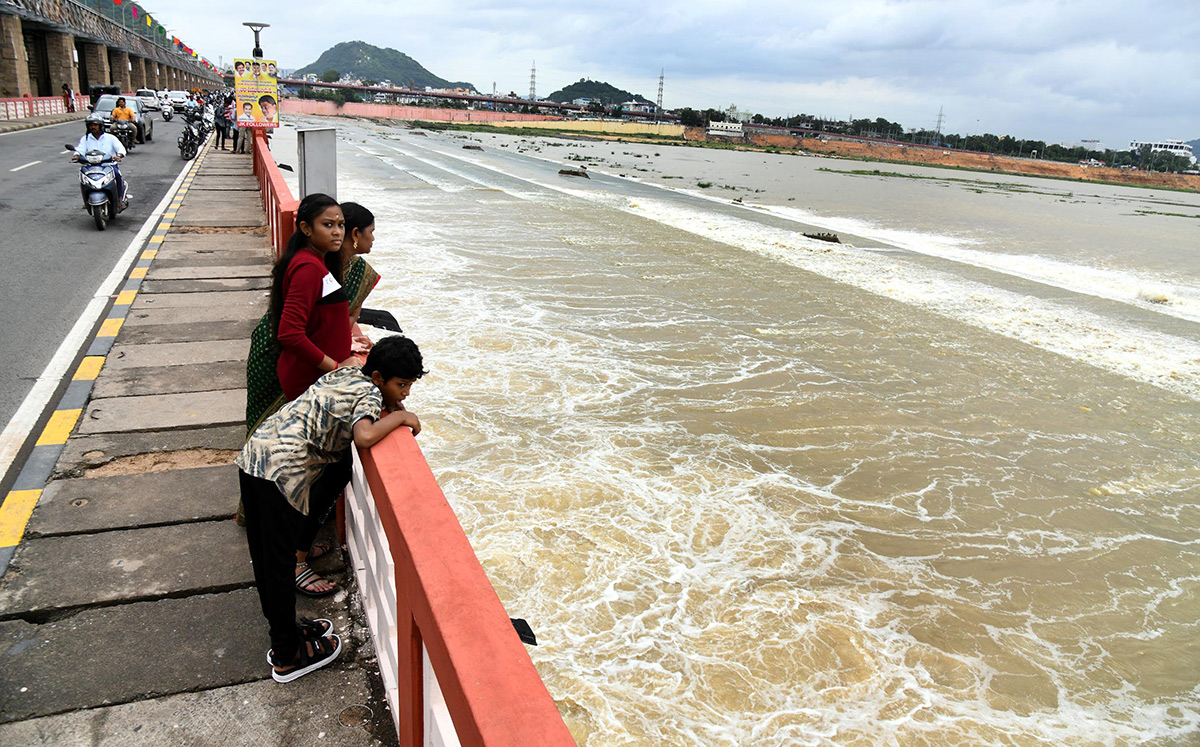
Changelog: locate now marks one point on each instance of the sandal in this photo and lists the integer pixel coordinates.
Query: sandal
(309, 578)
(319, 550)
(310, 630)
(312, 656)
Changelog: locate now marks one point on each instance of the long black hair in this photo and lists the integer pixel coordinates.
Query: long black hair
(310, 209)
(356, 216)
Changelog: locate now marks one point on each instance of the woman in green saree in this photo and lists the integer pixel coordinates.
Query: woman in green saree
(264, 395)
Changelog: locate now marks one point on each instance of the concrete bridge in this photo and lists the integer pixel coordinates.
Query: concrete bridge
(45, 43)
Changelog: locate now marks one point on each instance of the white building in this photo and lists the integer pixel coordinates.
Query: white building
(725, 129)
(1178, 147)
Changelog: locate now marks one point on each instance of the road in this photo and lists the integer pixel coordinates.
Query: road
(56, 257)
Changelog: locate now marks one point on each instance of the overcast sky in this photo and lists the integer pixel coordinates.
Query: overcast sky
(1064, 70)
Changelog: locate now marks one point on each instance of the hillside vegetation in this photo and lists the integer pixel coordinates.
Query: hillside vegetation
(361, 60)
(595, 90)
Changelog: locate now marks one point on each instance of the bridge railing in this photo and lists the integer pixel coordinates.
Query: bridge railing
(28, 106)
(454, 669)
(278, 202)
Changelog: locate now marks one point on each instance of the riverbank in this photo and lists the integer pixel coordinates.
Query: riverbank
(536, 125)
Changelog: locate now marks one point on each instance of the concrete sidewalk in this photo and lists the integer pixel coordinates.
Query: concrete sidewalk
(28, 123)
(127, 613)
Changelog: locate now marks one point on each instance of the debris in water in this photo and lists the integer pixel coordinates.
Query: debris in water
(830, 237)
(472, 147)
(574, 172)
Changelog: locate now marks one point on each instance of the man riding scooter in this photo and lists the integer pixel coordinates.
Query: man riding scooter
(96, 139)
(122, 113)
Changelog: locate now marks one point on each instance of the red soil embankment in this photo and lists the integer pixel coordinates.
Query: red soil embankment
(965, 159)
(387, 111)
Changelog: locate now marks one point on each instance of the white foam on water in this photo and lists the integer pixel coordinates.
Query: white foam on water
(688, 587)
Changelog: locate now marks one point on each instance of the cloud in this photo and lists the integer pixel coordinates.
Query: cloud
(1055, 70)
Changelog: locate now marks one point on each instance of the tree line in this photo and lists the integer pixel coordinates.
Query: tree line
(1005, 145)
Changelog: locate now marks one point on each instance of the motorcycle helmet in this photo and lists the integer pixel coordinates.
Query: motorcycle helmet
(92, 119)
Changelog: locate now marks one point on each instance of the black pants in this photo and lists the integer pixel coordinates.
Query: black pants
(274, 530)
(220, 130)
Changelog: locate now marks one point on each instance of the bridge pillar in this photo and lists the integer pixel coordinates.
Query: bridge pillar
(60, 57)
(137, 73)
(14, 63)
(118, 63)
(95, 61)
(152, 74)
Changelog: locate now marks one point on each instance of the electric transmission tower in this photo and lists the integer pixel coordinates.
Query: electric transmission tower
(658, 107)
(940, 121)
(533, 82)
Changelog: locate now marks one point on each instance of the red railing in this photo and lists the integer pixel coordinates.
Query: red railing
(28, 106)
(278, 202)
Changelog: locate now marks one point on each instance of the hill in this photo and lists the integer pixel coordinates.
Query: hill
(362, 60)
(595, 90)
(1195, 146)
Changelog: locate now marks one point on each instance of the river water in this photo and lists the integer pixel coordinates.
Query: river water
(935, 485)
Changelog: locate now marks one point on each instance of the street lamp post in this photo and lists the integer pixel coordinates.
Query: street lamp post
(257, 53)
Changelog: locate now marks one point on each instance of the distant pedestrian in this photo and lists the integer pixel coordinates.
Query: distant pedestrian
(68, 98)
(298, 460)
(220, 125)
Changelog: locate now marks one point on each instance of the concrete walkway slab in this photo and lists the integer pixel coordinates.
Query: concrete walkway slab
(132, 565)
(257, 280)
(176, 354)
(85, 452)
(189, 242)
(215, 258)
(117, 654)
(257, 713)
(228, 273)
(148, 315)
(164, 411)
(131, 501)
(132, 382)
(196, 331)
(218, 299)
(218, 210)
(227, 182)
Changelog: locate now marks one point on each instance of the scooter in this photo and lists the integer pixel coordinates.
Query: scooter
(167, 113)
(189, 141)
(98, 185)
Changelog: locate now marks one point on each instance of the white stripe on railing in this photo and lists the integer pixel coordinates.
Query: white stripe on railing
(375, 574)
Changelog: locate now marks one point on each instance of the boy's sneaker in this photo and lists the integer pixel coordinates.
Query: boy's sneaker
(323, 653)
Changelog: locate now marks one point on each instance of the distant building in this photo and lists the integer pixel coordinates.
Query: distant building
(581, 101)
(1178, 147)
(638, 107)
(725, 129)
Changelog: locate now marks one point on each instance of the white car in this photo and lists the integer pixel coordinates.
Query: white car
(148, 98)
(178, 99)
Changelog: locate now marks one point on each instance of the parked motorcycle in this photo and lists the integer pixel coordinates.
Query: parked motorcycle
(189, 141)
(125, 131)
(98, 185)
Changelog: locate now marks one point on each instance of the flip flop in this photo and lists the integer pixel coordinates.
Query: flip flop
(306, 579)
(319, 550)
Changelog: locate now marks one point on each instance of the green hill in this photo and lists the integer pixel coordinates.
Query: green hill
(362, 60)
(594, 90)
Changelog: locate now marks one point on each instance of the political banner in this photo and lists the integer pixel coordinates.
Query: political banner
(256, 89)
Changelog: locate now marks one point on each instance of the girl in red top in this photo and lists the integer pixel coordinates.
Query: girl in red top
(309, 307)
(310, 313)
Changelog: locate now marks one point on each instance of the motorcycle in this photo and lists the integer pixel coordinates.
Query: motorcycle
(189, 141)
(98, 185)
(125, 131)
(167, 113)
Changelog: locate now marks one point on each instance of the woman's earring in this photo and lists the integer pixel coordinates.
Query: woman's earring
(356, 243)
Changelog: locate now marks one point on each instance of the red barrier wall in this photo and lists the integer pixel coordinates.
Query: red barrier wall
(387, 111)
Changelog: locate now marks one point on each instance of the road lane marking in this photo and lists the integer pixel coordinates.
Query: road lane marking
(31, 163)
(89, 369)
(25, 419)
